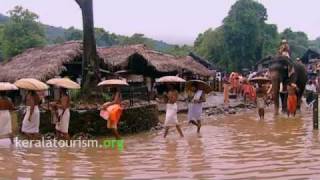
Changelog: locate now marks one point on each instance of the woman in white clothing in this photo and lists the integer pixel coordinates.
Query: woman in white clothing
(5, 117)
(63, 114)
(31, 120)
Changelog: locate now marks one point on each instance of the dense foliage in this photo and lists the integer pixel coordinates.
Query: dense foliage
(244, 38)
(20, 32)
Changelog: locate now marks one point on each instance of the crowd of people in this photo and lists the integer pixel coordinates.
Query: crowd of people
(250, 88)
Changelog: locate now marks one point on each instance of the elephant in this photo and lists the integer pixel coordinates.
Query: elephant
(280, 67)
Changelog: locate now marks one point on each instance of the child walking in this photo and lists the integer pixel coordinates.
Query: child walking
(195, 106)
(171, 111)
(292, 99)
(261, 95)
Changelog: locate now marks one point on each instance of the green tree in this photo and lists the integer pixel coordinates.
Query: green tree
(298, 42)
(242, 40)
(72, 34)
(243, 33)
(271, 39)
(21, 32)
(1, 42)
(315, 44)
(104, 38)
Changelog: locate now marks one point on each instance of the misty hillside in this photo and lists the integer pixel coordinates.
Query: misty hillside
(58, 35)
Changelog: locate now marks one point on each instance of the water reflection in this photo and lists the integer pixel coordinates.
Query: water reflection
(229, 147)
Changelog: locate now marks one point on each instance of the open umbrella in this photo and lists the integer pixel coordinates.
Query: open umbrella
(64, 83)
(261, 80)
(5, 86)
(113, 83)
(170, 79)
(201, 84)
(31, 84)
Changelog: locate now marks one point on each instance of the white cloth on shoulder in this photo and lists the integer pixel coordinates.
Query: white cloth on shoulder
(63, 124)
(171, 115)
(197, 95)
(5, 122)
(31, 126)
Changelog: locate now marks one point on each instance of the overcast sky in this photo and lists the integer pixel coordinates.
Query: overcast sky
(174, 21)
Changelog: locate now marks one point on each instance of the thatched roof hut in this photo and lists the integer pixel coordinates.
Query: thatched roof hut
(190, 64)
(124, 57)
(46, 62)
(135, 57)
(41, 63)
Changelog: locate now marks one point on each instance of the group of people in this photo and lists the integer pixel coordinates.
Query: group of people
(60, 109)
(195, 98)
(31, 119)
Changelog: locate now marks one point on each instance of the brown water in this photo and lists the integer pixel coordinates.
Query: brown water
(232, 147)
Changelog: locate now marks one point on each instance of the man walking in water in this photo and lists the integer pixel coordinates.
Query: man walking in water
(171, 111)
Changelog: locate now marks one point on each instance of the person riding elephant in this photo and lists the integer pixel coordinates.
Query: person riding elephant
(284, 49)
(283, 71)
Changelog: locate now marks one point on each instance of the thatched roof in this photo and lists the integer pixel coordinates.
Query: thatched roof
(120, 56)
(201, 60)
(46, 62)
(40, 63)
(190, 64)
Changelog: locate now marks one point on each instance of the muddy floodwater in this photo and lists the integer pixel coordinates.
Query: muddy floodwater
(229, 147)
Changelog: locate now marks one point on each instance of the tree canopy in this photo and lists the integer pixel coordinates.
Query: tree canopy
(243, 38)
(21, 32)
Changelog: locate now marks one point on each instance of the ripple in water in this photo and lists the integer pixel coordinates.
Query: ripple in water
(229, 147)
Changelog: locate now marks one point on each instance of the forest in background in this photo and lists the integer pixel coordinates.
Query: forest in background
(22, 30)
(243, 38)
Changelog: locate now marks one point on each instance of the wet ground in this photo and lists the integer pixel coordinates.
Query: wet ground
(229, 147)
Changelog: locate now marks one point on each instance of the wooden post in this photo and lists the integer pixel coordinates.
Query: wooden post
(316, 113)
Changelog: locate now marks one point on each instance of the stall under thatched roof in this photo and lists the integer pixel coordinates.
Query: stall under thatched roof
(41, 63)
(46, 62)
(120, 56)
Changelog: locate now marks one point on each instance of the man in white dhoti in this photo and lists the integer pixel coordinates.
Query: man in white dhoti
(171, 111)
(63, 114)
(195, 107)
(31, 120)
(5, 117)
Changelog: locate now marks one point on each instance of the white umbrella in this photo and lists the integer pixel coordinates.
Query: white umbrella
(170, 79)
(64, 83)
(113, 83)
(31, 84)
(5, 86)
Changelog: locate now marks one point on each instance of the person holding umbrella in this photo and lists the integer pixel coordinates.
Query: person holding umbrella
(61, 108)
(171, 103)
(261, 94)
(5, 107)
(31, 120)
(112, 111)
(197, 90)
